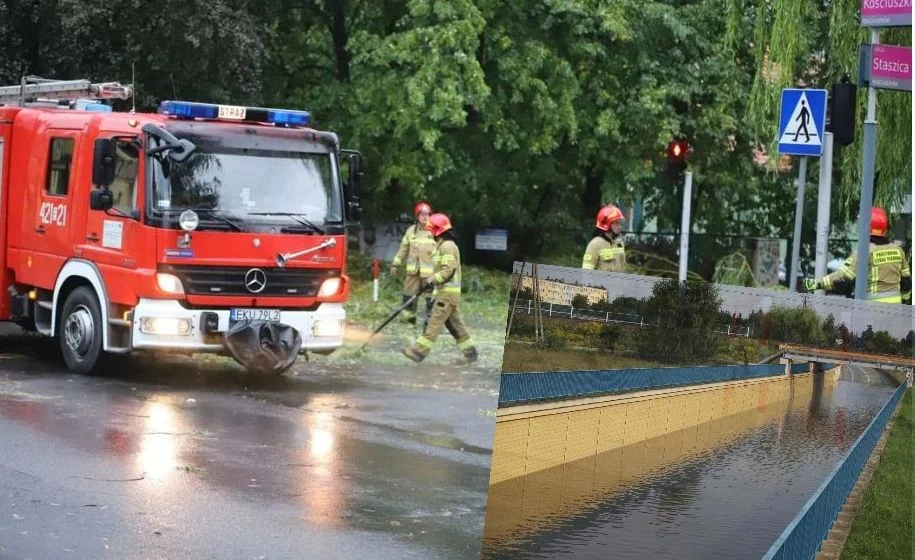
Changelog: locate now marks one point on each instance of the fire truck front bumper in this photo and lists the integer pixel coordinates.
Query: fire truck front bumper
(167, 325)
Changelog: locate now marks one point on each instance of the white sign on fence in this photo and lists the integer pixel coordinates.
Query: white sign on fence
(492, 240)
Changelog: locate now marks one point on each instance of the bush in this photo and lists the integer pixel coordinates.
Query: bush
(686, 315)
(798, 325)
(580, 301)
(611, 336)
(881, 343)
(741, 350)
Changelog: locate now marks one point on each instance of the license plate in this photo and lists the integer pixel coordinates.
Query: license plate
(237, 314)
(231, 112)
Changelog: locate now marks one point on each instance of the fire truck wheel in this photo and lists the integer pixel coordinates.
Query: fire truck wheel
(80, 330)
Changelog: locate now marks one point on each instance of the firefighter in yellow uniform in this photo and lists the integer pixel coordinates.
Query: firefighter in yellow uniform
(416, 250)
(889, 275)
(606, 250)
(446, 283)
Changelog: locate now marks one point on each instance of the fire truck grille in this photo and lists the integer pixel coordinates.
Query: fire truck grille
(248, 281)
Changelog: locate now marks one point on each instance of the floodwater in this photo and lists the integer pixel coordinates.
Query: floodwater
(729, 498)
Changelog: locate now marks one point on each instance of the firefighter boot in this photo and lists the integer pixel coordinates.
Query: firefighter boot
(470, 355)
(414, 354)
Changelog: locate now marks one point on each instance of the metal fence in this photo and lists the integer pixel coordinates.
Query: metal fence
(525, 388)
(526, 306)
(802, 539)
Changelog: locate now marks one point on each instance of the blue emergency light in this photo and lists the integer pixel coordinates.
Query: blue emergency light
(192, 110)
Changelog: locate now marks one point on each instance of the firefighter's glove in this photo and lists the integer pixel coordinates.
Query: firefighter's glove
(393, 270)
(812, 285)
(427, 286)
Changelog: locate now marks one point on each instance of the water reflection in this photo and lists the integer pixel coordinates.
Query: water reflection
(686, 494)
(157, 457)
(323, 490)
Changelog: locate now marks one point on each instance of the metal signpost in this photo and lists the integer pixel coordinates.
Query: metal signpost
(885, 67)
(684, 225)
(823, 207)
(801, 128)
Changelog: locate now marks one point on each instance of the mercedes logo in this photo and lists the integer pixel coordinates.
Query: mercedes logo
(255, 280)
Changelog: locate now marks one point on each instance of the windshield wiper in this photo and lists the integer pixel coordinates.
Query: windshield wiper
(211, 214)
(297, 217)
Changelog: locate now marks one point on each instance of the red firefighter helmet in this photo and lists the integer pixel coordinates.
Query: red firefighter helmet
(879, 224)
(607, 216)
(438, 224)
(421, 207)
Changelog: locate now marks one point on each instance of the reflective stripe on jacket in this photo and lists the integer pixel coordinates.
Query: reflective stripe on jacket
(447, 271)
(416, 249)
(603, 254)
(888, 266)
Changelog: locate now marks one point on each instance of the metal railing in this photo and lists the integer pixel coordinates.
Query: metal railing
(802, 539)
(526, 307)
(524, 388)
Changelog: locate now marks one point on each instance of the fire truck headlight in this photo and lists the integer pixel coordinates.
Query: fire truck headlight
(328, 327)
(169, 283)
(165, 326)
(330, 287)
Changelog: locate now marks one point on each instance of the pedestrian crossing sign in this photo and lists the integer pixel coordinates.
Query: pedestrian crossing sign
(802, 122)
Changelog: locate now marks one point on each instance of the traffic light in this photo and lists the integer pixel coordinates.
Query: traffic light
(843, 107)
(677, 152)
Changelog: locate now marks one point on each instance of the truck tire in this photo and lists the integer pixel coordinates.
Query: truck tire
(80, 331)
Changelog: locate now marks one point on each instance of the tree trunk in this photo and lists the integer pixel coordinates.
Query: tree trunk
(337, 10)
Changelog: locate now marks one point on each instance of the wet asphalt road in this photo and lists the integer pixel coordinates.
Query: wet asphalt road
(167, 457)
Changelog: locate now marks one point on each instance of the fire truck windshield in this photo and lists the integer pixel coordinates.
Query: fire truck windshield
(259, 185)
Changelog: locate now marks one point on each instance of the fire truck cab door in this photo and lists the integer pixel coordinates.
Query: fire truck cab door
(110, 237)
(50, 240)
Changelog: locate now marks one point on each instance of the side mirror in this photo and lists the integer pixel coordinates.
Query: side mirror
(103, 159)
(356, 163)
(101, 199)
(182, 152)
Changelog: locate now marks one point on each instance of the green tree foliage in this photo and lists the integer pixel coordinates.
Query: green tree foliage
(527, 115)
(580, 301)
(798, 325)
(813, 44)
(687, 315)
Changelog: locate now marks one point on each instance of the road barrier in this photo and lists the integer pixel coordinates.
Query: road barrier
(526, 388)
(803, 537)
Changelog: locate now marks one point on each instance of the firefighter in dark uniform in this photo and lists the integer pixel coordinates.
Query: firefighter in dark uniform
(446, 286)
(416, 250)
(889, 274)
(606, 250)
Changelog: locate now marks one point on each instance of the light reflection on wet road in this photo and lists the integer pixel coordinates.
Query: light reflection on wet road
(729, 497)
(175, 457)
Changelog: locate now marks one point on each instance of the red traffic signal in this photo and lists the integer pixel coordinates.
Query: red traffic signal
(677, 150)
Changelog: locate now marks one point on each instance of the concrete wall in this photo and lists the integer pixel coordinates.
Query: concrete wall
(536, 437)
(857, 315)
(550, 461)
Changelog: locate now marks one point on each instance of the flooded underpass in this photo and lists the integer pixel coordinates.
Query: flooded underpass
(726, 488)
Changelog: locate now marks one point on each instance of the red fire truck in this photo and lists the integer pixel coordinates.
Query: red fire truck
(199, 228)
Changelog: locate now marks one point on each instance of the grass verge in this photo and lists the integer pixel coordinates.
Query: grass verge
(520, 357)
(882, 528)
(483, 307)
